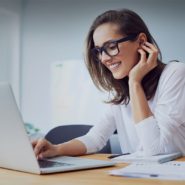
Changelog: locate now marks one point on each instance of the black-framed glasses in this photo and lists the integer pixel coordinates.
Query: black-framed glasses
(111, 47)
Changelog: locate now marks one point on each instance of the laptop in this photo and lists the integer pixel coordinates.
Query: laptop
(16, 149)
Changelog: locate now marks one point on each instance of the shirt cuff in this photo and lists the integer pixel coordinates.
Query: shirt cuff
(88, 142)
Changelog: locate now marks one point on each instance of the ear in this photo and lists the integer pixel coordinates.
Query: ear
(142, 38)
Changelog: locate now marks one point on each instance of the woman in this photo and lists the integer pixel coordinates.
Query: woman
(147, 107)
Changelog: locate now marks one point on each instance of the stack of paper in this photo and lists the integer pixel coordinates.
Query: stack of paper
(140, 157)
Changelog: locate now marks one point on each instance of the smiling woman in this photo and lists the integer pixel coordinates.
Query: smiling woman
(111, 26)
(123, 58)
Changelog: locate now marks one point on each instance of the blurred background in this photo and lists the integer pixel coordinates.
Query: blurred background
(42, 53)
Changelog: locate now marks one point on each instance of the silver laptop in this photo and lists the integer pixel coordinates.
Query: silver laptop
(16, 149)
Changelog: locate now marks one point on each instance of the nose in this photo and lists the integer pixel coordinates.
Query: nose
(105, 57)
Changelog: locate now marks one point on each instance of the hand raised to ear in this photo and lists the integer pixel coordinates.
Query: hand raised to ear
(145, 64)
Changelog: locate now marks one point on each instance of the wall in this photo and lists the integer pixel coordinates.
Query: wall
(55, 30)
(74, 98)
(10, 26)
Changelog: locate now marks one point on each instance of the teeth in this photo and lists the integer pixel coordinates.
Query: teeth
(114, 65)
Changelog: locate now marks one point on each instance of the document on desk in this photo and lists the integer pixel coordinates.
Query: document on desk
(172, 170)
(140, 157)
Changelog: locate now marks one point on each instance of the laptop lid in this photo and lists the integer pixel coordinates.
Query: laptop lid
(16, 149)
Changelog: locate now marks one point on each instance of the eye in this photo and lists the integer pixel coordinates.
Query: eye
(111, 46)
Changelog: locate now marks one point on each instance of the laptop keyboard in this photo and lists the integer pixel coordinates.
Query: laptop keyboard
(48, 164)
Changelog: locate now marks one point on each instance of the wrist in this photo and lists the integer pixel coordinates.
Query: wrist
(133, 82)
(58, 149)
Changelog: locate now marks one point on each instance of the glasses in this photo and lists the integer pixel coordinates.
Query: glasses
(111, 47)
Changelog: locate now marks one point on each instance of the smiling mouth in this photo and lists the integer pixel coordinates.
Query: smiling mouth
(114, 66)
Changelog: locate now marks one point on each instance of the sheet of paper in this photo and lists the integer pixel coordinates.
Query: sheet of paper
(167, 171)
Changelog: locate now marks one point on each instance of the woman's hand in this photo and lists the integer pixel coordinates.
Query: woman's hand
(145, 64)
(44, 148)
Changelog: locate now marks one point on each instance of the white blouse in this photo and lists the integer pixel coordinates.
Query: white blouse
(162, 133)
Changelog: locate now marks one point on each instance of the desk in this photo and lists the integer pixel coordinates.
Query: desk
(84, 177)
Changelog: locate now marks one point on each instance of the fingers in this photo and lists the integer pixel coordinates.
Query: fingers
(143, 55)
(39, 147)
(153, 54)
(44, 154)
(43, 148)
(149, 45)
(34, 143)
(152, 50)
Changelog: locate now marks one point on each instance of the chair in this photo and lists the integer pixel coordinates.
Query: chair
(65, 133)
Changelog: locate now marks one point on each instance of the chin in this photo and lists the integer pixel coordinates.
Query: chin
(119, 76)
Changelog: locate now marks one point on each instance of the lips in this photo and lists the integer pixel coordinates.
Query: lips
(114, 66)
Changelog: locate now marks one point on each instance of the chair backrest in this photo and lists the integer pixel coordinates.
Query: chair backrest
(65, 133)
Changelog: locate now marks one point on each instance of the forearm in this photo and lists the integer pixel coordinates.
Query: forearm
(71, 148)
(139, 104)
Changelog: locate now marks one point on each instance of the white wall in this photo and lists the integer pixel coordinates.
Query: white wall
(74, 98)
(55, 30)
(10, 25)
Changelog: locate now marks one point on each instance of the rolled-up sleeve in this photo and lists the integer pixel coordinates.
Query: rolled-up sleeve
(164, 132)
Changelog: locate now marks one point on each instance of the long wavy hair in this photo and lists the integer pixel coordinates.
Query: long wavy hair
(128, 23)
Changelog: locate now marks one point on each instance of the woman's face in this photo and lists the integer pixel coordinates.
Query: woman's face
(123, 62)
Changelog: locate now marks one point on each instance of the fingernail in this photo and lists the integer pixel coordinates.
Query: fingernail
(40, 156)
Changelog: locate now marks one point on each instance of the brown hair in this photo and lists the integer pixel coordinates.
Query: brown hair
(129, 23)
